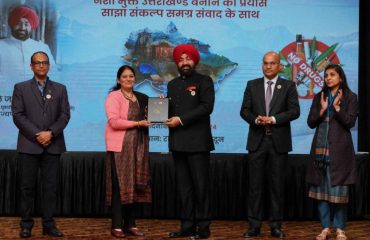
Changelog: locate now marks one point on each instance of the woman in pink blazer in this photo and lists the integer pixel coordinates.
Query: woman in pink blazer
(127, 161)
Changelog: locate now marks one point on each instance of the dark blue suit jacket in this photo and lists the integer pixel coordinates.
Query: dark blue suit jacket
(33, 113)
(284, 107)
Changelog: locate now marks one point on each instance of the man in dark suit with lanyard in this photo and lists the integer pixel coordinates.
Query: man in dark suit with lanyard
(269, 105)
(41, 111)
(191, 99)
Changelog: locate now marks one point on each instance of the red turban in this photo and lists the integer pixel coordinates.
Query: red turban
(189, 50)
(23, 12)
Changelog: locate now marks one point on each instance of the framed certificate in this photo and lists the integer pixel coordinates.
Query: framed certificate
(157, 109)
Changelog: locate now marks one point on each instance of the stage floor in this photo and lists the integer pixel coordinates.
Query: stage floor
(99, 228)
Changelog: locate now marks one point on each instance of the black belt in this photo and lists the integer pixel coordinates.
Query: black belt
(268, 131)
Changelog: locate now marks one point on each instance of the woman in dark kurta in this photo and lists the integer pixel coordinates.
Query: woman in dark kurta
(127, 163)
(332, 160)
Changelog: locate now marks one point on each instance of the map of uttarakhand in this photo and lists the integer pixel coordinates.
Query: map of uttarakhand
(150, 54)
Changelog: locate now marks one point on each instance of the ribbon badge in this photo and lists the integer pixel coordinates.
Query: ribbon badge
(191, 89)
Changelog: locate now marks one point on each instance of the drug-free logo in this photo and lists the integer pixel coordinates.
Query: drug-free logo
(304, 63)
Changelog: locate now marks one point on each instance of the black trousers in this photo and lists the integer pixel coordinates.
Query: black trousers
(266, 164)
(29, 169)
(122, 214)
(193, 184)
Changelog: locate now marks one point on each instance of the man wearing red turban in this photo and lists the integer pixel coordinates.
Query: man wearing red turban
(23, 12)
(190, 50)
(17, 49)
(191, 100)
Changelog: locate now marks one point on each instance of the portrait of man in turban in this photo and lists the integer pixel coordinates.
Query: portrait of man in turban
(22, 20)
(18, 47)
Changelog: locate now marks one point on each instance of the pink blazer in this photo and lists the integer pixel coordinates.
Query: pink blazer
(116, 109)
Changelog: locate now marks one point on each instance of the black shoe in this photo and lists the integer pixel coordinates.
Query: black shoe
(181, 233)
(201, 235)
(52, 231)
(276, 232)
(25, 233)
(252, 232)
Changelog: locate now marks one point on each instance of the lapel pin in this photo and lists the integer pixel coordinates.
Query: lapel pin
(48, 96)
(278, 86)
(192, 93)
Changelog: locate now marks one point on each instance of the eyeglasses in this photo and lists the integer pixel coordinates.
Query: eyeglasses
(273, 64)
(41, 63)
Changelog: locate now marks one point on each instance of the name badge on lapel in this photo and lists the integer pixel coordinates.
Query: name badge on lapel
(48, 95)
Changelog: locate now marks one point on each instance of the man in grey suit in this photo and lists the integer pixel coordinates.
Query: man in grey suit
(270, 103)
(41, 111)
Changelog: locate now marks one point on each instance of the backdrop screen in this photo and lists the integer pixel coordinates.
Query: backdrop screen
(89, 40)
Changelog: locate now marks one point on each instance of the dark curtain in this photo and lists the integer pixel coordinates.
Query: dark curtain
(364, 78)
(82, 187)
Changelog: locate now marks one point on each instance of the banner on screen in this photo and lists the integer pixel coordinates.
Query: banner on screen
(88, 40)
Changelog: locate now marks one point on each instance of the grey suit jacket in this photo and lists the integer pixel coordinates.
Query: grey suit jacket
(33, 113)
(284, 107)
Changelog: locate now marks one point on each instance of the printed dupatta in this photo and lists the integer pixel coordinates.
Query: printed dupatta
(322, 159)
